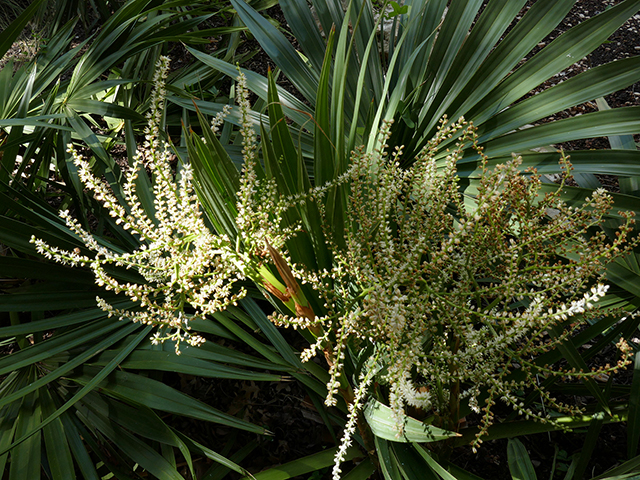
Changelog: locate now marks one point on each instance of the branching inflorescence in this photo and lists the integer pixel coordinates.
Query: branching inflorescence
(458, 294)
(188, 271)
(461, 295)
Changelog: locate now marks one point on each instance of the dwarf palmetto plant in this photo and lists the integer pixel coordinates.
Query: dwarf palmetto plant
(343, 120)
(460, 58)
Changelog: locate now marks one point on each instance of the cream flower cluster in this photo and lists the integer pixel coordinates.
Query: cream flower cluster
(187, 271)
(459, 296)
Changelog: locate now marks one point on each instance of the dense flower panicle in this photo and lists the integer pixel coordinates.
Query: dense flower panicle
(188, 271)
(455, 294)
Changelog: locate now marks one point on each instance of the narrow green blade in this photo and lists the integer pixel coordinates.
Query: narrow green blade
(633, 424)
(304, 465)
(383, 425)
(520, 464)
